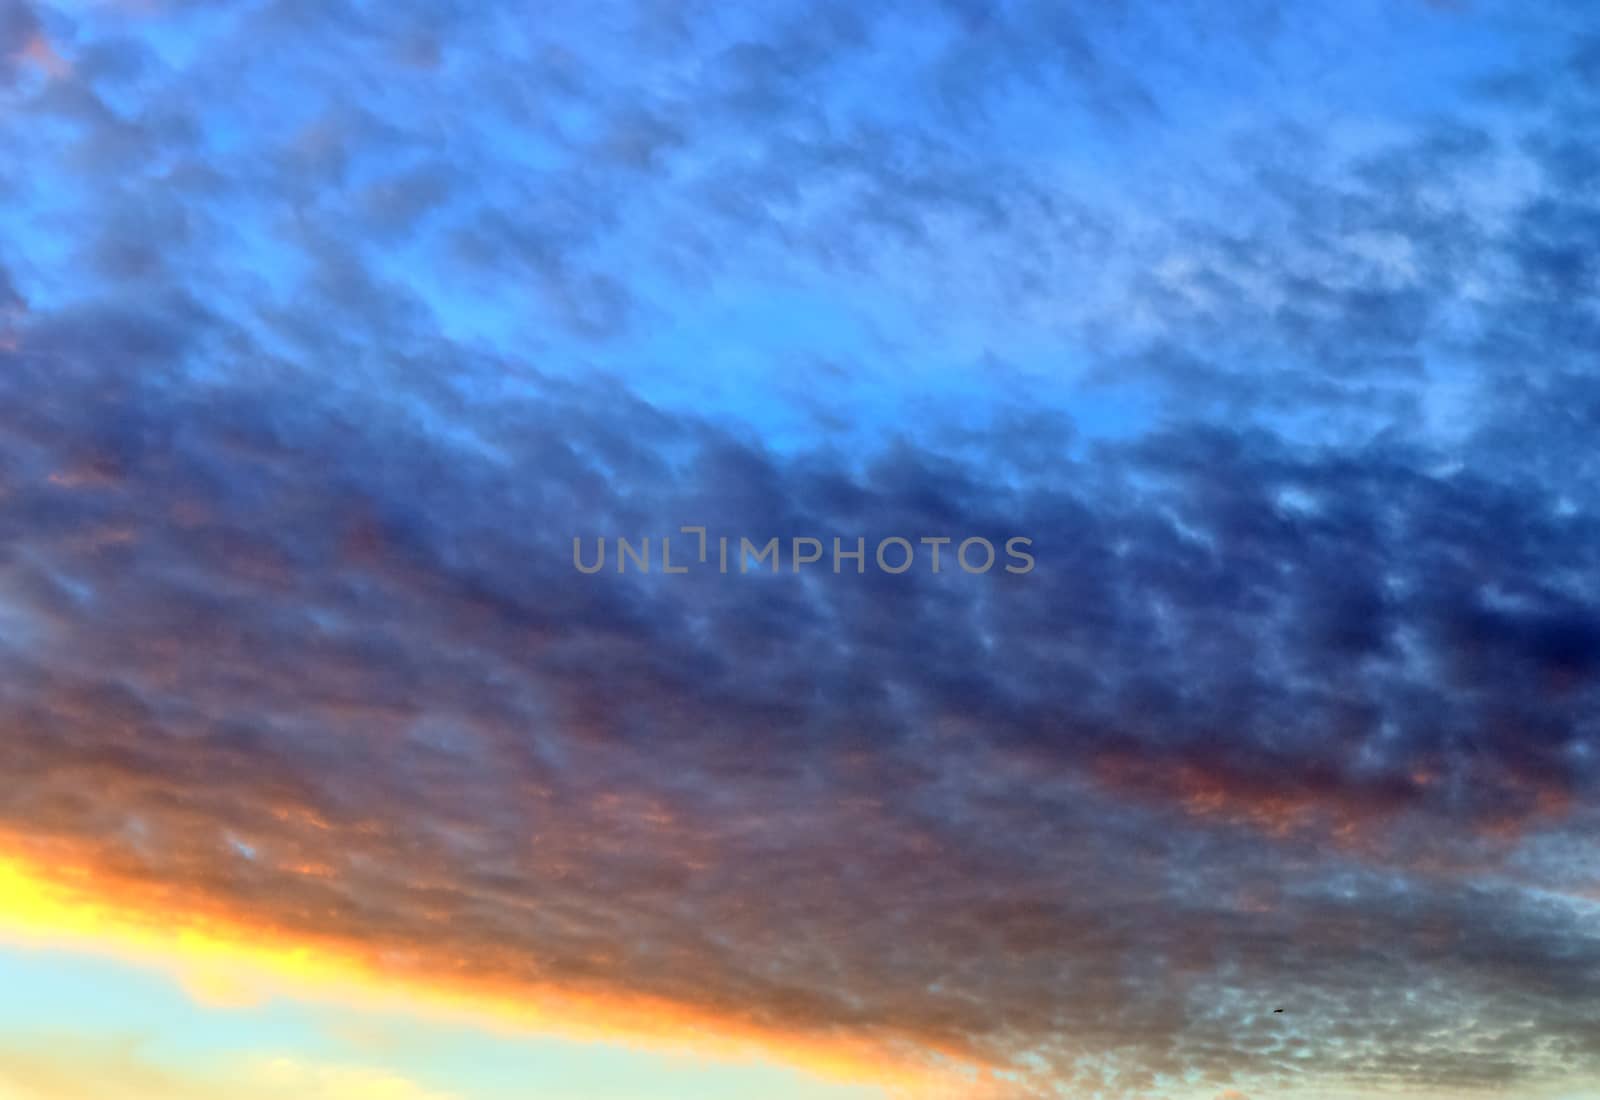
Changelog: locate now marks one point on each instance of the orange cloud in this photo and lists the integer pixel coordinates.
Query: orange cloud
(43, 55)
(225, 960)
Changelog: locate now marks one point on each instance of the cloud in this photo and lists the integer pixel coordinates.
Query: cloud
(263, 629)
(301, 406)
(76, 1068)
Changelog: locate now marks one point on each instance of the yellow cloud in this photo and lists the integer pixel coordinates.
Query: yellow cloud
(286, 1077)
(225, 962)
(75, 1068)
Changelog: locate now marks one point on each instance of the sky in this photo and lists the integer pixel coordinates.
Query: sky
(336, 335)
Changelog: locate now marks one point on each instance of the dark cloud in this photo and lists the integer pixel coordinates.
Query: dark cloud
(1109, 808)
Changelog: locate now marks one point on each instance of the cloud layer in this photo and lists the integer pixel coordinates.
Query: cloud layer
(325, 329)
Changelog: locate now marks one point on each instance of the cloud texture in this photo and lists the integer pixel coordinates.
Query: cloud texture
(325, 328)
